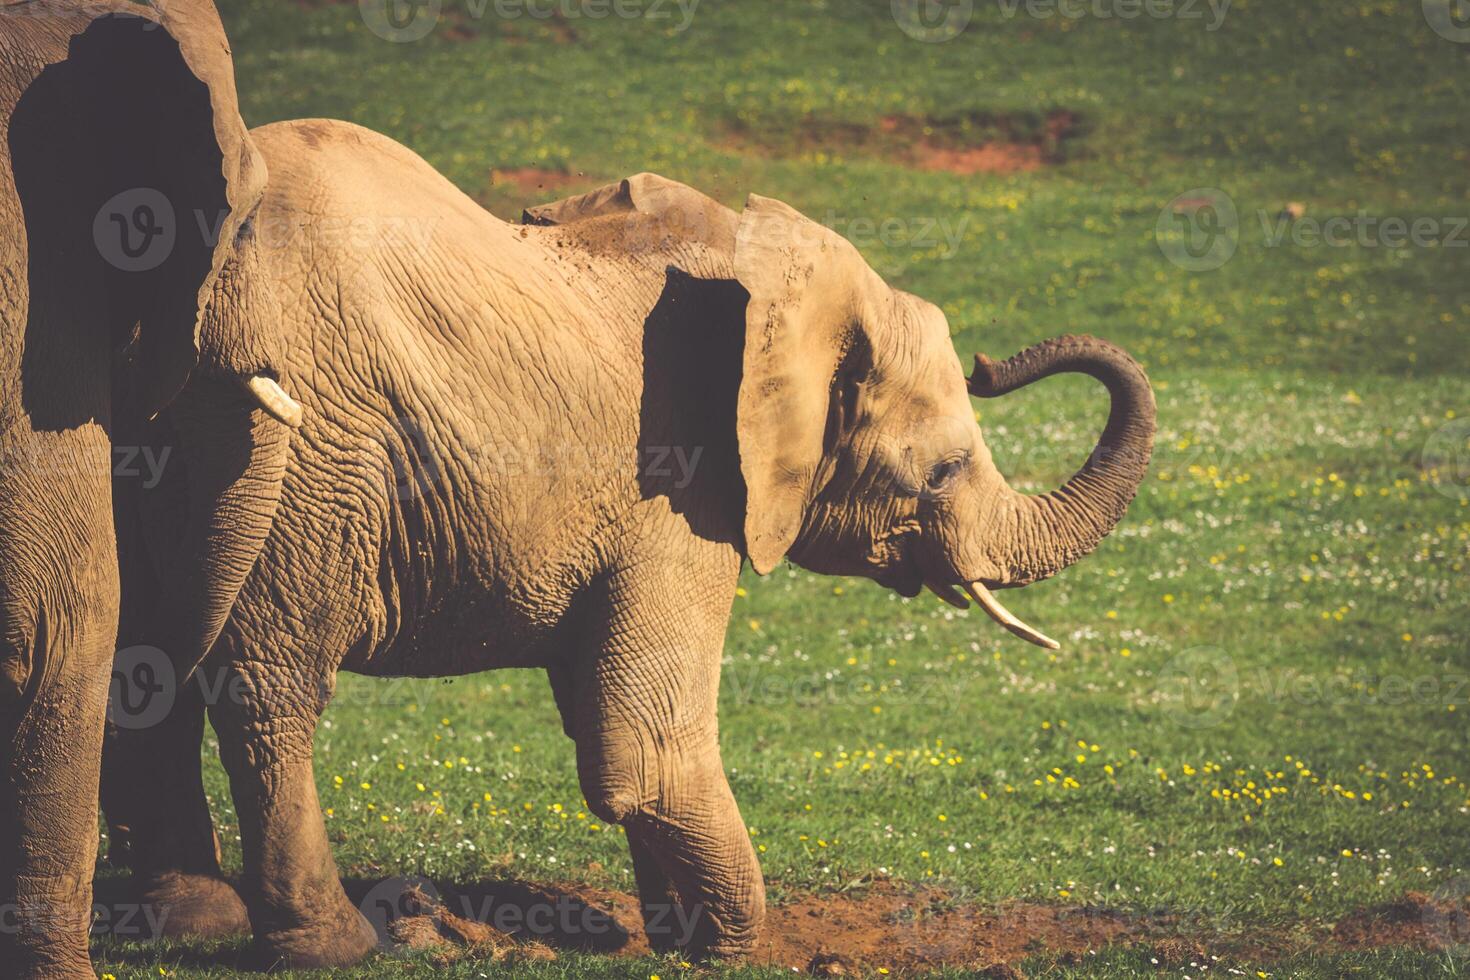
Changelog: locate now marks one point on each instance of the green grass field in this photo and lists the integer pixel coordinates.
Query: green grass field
(1258, 721)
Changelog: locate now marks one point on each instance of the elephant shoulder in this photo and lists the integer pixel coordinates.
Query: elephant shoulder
(346, 181)
(679, 209)
(333, 143)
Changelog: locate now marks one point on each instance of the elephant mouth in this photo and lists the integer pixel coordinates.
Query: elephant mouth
(908, 578)
(903, 579)
(979, 591)
(987, 601)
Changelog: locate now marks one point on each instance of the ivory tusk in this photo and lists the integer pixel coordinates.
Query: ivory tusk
(1004, 617)
(269, 396)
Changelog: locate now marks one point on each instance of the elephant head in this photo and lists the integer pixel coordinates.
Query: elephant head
(859, 446)
(231, 418)
(126, 185)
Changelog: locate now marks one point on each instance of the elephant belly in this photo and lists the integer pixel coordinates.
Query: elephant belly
(461, 634)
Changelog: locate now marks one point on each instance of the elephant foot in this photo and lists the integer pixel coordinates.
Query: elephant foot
(46, 966)
(721, 949)
(323, 944)
(194, 906)
(698, 935)
(44, 936)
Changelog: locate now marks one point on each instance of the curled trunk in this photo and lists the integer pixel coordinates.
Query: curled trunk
(1038, 536)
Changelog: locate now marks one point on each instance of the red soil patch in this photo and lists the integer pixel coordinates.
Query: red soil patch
(530, 180)
(997, 157)
(967, 144)
(512, 189)
(993, 158)
(1413, 919)
(832, 935)
(886, 926)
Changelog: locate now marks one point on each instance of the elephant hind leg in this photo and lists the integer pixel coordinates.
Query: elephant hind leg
(153, 786)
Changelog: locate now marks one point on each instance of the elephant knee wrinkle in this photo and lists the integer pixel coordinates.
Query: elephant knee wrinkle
(615, 807)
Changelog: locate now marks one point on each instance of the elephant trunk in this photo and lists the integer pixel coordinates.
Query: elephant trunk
(236, 461)
(1037, 536)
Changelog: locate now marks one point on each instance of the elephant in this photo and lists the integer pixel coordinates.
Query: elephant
(554, 444)
(126, 182)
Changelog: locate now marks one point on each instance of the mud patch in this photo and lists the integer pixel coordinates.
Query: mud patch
(429, 924)
(967, 143)
(1413, 919)
(906, 932)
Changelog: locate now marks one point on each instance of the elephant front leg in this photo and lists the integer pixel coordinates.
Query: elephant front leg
(663, 911)
(152, 785)
(299, 913)
(648, 758)
(698, 879)
(48, 807)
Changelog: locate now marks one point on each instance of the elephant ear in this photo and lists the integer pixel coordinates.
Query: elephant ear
(812, 299)
(675, 210)
(174, 156)
(235, 348)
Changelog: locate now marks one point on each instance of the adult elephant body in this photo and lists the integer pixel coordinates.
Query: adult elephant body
(552, 445)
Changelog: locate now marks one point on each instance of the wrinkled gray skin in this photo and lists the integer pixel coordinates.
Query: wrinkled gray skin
(98, 100)
(494, 472)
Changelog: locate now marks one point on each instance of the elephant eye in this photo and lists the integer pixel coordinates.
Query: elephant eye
(943, 472)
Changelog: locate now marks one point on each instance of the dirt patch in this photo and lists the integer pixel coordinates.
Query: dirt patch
(512, 189)
(535, 180)
(822, 935)
(1413, 919)
(907, 932)
(968, 143)
(428, 924)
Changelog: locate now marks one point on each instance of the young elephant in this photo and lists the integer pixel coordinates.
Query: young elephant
(553, 445)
